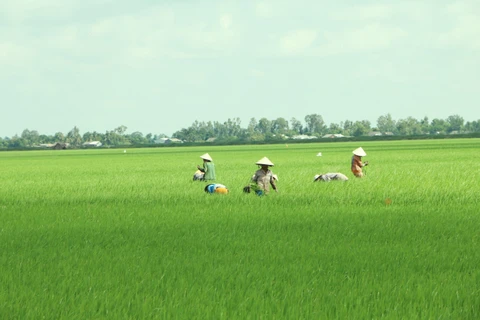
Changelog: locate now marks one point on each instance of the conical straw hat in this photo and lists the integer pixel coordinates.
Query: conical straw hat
(359, 152)
(206, 156)
(264, 161)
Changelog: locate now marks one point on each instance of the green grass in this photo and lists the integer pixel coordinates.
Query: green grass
(92, 234)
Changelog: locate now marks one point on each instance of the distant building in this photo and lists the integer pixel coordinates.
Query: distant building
(46, 145)
(333, 135)
(374, 133)
(92, 144)
(60, 146)
(162, 140)
(303, 137)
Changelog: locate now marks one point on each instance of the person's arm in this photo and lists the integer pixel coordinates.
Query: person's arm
(272, 183)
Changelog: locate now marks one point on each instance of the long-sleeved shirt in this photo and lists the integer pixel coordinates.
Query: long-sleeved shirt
(209, 169)
(357, 166)
(264, 180)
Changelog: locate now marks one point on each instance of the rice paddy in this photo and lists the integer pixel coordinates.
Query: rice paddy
(103, 234)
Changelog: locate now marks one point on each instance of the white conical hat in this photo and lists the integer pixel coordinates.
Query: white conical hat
(265, 161)
(359, 152)
(206, 156)
(316, 177)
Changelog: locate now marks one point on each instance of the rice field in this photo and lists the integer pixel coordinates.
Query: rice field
(103, 234)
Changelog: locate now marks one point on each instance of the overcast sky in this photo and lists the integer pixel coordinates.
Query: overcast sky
(157, 66)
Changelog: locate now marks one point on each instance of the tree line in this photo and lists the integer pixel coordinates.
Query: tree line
(314, 125)
(115, 137)
(256, 131)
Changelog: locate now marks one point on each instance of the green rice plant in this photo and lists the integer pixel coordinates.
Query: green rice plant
(107, 234)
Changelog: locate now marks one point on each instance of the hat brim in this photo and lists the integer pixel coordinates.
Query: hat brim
(265, 162)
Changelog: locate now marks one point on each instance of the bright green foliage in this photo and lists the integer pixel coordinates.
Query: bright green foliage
(92, 234)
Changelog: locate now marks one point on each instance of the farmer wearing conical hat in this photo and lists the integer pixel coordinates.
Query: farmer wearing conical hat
(264, 177)
(208, 167)
(357, 163)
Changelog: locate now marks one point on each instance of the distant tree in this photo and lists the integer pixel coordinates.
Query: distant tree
(455, 123)
(473, 126)
(87, 136)
(116, 137)
(334, 128)
(59, 137)
(46, 139)
(425, 125)
(264, 126)
(30, 138)
(120, 130)
(315, 124)
(137, 138)
(17, 142)
(348, 128)
(439, 126)
(233, 128)
(160, 135)
(252, 126)
(386, 124)
(74, 137)
(360, 128)
(409, 126)
(296, 126)
(280, 126)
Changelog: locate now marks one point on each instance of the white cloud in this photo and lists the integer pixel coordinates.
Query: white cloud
(369, 38)
(12, 54)
(23, 11)
(263, 9)
(465, 31)
(256, 73)
(298, 41)
(365, 12)
(226, 21)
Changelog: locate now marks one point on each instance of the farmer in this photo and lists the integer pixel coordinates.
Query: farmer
(357, 163)
(208, 168)
(264, 177)
(216, 188)
(330, 176)
(198, 175)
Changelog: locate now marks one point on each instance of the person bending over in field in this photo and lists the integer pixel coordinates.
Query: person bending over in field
(330, 176)
(198, 175)
(357, 163)
(263, 178)
(208, 168)
(216, 188)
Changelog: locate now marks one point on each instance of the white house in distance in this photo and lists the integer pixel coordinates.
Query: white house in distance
(333, 135)
(303, 137)
(92, 144)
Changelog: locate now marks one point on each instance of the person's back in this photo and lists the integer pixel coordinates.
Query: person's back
(330, 176)
(209, 171)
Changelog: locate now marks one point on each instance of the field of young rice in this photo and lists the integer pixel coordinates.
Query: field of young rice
(93, 234)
